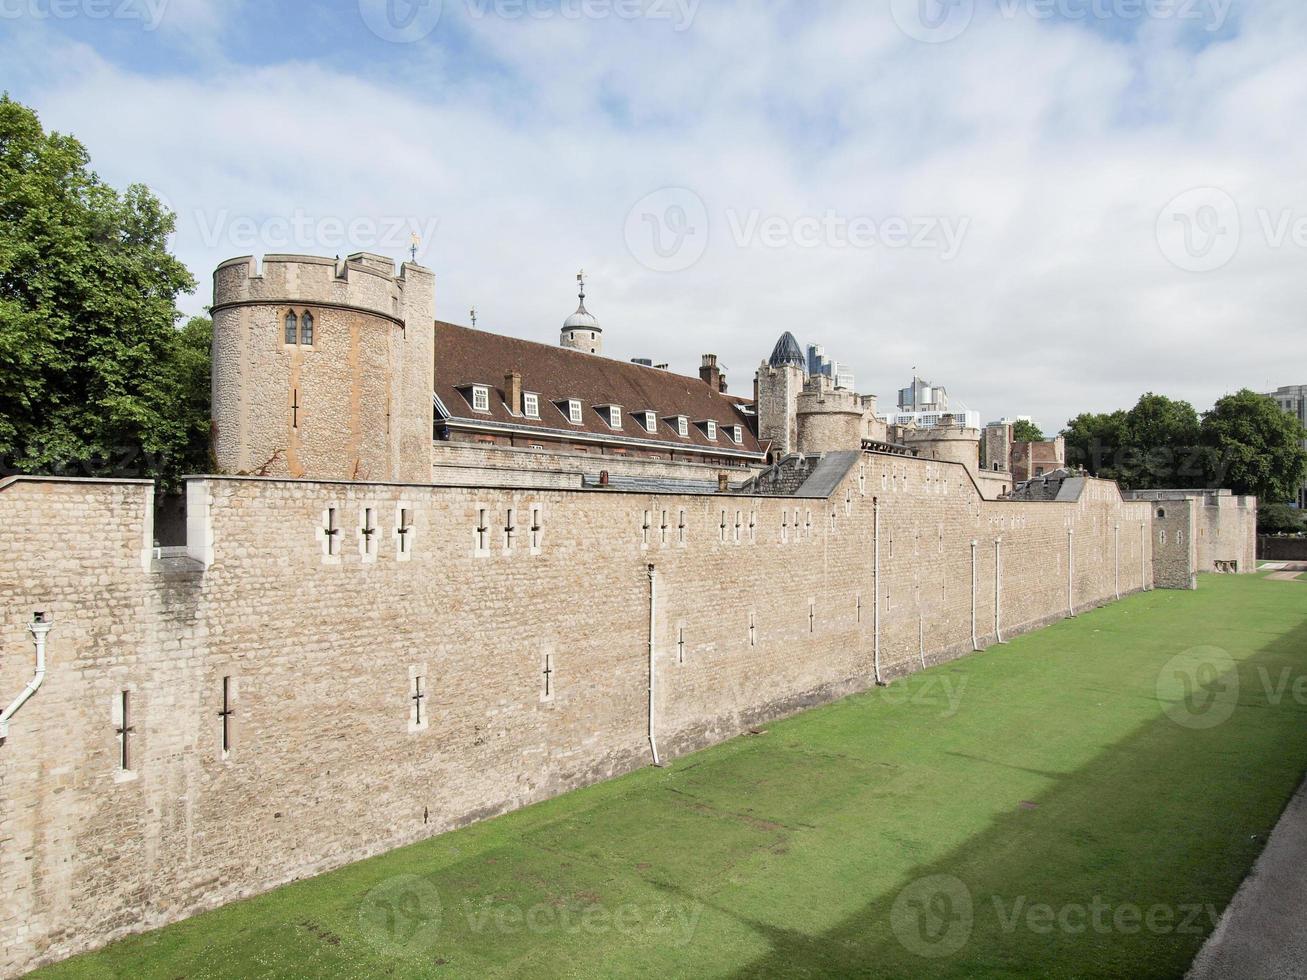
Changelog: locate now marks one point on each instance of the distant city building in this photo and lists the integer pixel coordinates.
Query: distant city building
(922, 396)
(819, 363)
(1293, 399)
(925, 406)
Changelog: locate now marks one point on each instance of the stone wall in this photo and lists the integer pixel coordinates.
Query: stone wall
(355, 403)
(1275, 548)
(764, 605)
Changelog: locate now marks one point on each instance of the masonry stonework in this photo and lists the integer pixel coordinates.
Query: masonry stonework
(349, 398)
(319, 635)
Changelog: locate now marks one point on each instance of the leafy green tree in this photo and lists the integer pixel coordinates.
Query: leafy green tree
(1161, 445)
(1094, 440)
(1024, 431)
(91, 365)
(1253, 447)
(1155, 445)
(1280, 519)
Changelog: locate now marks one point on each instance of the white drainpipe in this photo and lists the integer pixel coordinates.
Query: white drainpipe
(998, 588)
(1143, 567)
(653, 599)
(39, 627)
(1070, 561)
(975, 645)
(1118, 559)
(875, 609)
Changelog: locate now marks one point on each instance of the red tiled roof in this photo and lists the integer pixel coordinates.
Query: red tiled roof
(466, 357)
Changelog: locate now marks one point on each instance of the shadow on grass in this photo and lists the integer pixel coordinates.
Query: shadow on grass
(1121, 869)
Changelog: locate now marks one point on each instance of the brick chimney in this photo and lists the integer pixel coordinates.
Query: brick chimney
(513, 392)
(709, 373)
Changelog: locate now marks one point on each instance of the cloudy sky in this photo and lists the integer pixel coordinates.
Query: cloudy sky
(1049, 206)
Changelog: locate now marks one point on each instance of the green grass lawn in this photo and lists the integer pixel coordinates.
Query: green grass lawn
(1036, 809)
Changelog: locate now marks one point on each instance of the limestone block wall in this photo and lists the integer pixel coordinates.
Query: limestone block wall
(355, 403)
(520, 614)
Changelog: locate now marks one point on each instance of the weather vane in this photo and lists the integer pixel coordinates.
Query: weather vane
(580, 281)
(474, 316)
(413, 243)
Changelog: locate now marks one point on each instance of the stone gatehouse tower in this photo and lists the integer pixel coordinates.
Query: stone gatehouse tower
(323, 368)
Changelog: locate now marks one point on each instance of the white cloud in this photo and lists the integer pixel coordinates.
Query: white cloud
(529, 141)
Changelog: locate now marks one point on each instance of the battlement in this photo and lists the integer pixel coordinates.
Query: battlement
(363, 281)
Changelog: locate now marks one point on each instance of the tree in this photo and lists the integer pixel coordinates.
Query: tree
(1155, 445)
(89, 353)
(1026, 431)
(1094, 440)
(1254, 448)
(1161, 445)
(1280, 519)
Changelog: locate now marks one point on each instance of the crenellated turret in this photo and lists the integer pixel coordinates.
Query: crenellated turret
(323, 368)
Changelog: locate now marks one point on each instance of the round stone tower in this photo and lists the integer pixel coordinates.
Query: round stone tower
(323, 369)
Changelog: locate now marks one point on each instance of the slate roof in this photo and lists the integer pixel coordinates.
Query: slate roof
(466, 357)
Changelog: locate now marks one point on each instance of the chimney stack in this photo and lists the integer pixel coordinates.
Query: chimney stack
(513, 392)
(709, 373)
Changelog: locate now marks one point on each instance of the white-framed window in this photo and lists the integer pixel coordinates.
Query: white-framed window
(574, 411)
(711, 429)
(651, 421)
(682, 426)
(480, 398)
(614, 416)
(737, 434)
(531, 405)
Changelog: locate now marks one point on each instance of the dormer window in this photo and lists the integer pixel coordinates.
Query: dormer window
(480, 398)
(651, 421)
(710, 429)
(682, 426)
(737, 434)
(531, 405)
(614, 416)
(574, 411)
